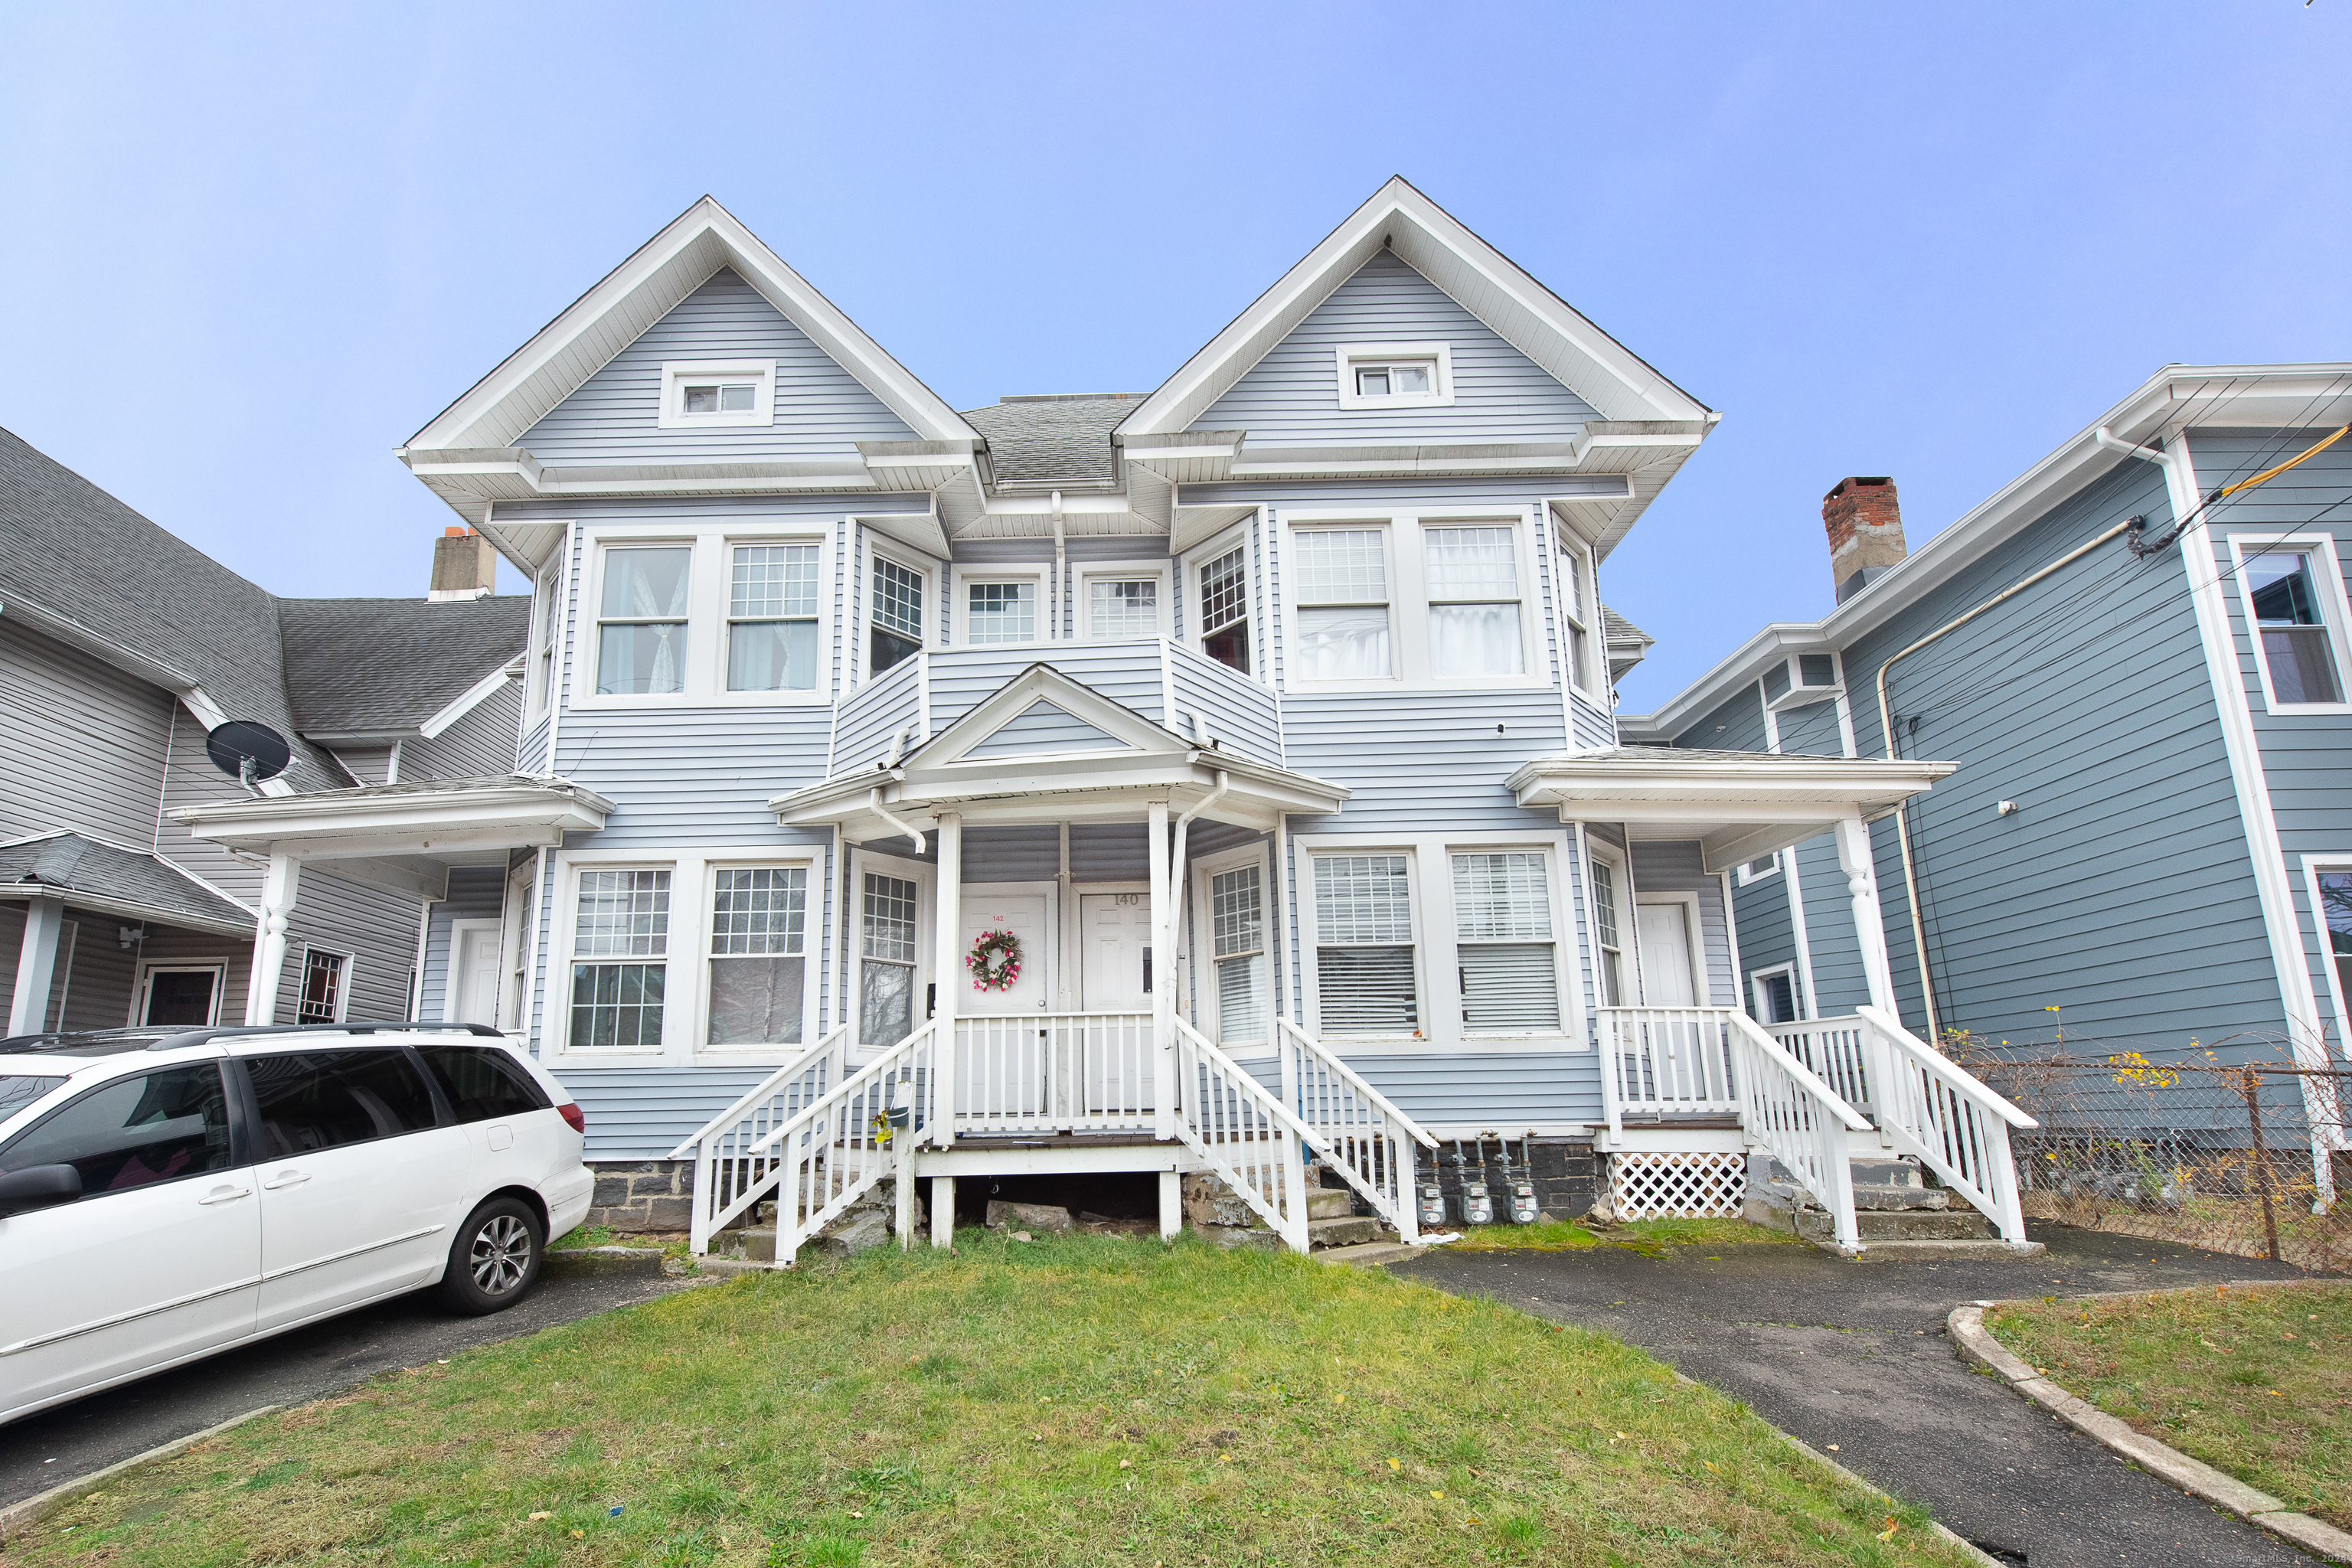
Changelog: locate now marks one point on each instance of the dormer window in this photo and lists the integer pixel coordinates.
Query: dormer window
(1395, 376)
(722, 393)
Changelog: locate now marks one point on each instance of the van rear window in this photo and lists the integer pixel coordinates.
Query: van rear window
(482, 1085)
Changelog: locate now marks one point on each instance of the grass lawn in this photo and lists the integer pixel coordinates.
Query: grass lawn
(1079, 1400)
(2257, 1383)
(1645, 1236)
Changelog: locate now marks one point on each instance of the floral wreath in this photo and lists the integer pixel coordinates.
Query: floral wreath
(994, 961)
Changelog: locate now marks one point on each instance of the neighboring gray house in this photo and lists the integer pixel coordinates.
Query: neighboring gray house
(1263, 719)
(120, 648)
(2150, 829)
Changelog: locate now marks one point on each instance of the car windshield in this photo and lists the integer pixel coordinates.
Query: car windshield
(19, 1089)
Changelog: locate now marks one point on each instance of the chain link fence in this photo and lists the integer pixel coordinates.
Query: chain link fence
(2249, 1158)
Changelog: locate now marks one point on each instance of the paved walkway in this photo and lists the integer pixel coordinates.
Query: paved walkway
(69, 1440)
(1853, 1356)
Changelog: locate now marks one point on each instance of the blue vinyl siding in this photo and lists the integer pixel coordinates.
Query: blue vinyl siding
(1768, 936)
(1839, 983)
(1595, 730)
(1810, 730)
(1124, 672)
(641, 1113)
(873, 713)
(1044, 728)
(1293, 394)
(1421, 760)
(476, 893)
(1476, 1091)
(820, 408)
(1240, 711)
(1737, 724)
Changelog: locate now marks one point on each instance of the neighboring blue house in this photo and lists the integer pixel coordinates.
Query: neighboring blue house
(1135, 782)
(2150, 829)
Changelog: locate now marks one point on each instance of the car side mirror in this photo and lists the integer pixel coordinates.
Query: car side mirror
(38, 1187)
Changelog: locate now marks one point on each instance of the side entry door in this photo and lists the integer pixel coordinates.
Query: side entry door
(358, 1178)
(157, 1260)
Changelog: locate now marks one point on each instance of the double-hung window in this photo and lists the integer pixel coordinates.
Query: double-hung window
(1343, 604)
(1576, 615)
(1607, 935)
(545, 634)
(620, 965)
(1237, 924)
(641, 620)
(1472, 577)
(772, 641)
(1365, 979)
(1001, 612)
(1123, 607)
(758, 921)
(886, 978)
(1224, 609)
(2284, 589)
(894, 615)
(1510, 971)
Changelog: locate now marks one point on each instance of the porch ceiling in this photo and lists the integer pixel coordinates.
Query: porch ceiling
(1739, 806)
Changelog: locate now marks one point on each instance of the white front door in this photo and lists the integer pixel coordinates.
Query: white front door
(474, 974)
(1003, 1070)
(1667, 977)
(1115, 953)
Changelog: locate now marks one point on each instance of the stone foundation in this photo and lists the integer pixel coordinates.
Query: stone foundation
(642, 1195)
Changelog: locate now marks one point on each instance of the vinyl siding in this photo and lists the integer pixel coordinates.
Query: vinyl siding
(1676, 869)
(1128, 673)
(1839, 983)
(95, 993)
(1594, 729)
(1471, 1091)
(81, 744)
(1292, 395)
(1240, 711)
(476, 892)
(192, 779)
(1044, 728)
(641, 1113)
(1427, 761)
(1810, 730)
(1737, 724)
(475, 747)
(820, 408)
(376, 929)
(1767, 933)
(873, 713)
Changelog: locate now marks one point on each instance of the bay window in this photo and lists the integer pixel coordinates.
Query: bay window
(758, 919)
(1365, 978)
(771, 611)
(1506, 960)
(697, 614)
(642, 620)
(1473, 576)
(1343, 589)
(1423, 601)
(620, 963)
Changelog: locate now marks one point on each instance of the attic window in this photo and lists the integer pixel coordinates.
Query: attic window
(722, 393)
(1393, 376)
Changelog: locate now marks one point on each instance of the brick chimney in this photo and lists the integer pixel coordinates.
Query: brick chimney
(1865, 528)
(464, 565)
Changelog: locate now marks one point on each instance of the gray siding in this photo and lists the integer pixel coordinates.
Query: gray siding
(476, 892)
(1127, 673)
(366, 764)
(1478, 1090)
(1044, 728)
(1595, 730)
(1766, 934)
(192, 779)
(1014, 854)
(641, 1113)
(875, 712)
(95, 992)
(1676, 869)
(1811, 731)
(819, 407)
(1293, 394)
(1420, 760)
(475, 747)
(81, 744)
(1240, 711)
(1839, 983)
(1737, 724)
(376, 929)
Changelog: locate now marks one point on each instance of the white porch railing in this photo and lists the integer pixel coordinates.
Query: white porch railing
(735, 1161)
(835, 1151)
(1054, 1072)
(1942, 1115)
(1717, 1060)
(1242, 1133)
(1353, 1126)
(1838, 1050)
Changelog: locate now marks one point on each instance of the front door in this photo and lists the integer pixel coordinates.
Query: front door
(181, 995)
(1115, 975)
(474, 974)
(1004, 1065)
(1667, 977)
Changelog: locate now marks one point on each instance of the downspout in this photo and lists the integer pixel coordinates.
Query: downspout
(1059, 565)
(1176, 870)
(1886, 725)
(874, 804)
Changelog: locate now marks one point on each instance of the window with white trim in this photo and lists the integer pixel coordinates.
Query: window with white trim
(1366, 979)
(894, 596)
(1608, 934)
(772, 617)
(1343, 590)
(758, 921)
(1224, 599)
(1237, 932)
(546, 631)
(1506, 963)
(1577, 616)
(641, 620)
(1758, 870)
(620, 960)
(1776, 994)
(1122, 608)
(718, 393)
(886, 961)
(2298, 647)
(1472, 577)
(1001, 612)
(326, 986)
(1391, 375)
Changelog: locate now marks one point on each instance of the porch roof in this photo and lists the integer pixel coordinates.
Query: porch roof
(1112, 763)
(110, 880)
(1739, 804)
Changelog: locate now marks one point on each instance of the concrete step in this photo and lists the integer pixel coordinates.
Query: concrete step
(1331, 1203)
(1991, 1248)
(1369, 1254)
(1351, 1231)
(1878, 1225)
(1874, 1196)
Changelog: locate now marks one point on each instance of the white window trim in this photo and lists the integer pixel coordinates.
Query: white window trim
(2313, 864)
(1562, 940)
(342, 978)
(710, 574)
(2332, 608)
(1204, 942)
(1348, 356)
(1196, 633)
(148, 968)
(1629, 934)
(1122, 571)
(1592, 680)
(1756, 979)
(1040, 575)
(1435, 943)
(676, 374)
(850, 945)
(862, 616)
(808, 857)
(1745, 876)
(555, 1045)
(548, 617)
(1409, 605)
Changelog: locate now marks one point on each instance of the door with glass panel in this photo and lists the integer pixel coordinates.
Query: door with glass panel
(887, 1006)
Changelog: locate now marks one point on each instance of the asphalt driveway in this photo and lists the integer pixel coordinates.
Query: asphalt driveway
(1852, 1357)
(69, 1440)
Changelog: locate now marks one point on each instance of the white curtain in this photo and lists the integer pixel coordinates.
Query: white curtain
(648, 588)
(1475, 639)
(1343, 645)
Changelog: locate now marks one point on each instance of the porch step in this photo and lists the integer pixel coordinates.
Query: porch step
(1350, 1230)
(1369, 1254)
(1877, 1226)
(1331, 1203)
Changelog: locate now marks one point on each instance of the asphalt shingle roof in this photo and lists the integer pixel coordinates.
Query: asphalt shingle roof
(1058, 437)
(72, 864)
(356, 665)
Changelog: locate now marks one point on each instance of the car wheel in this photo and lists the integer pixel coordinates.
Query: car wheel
(494, 1262)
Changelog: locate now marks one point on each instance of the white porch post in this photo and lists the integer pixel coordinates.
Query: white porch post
(1869, 925)
(277, 892)
(943, 1211)
(36, 966)
(1163, 994)
(947, 970)
(1171, 1205)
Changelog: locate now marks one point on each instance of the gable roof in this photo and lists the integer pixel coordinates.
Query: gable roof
(1065, 437)
(359, 667)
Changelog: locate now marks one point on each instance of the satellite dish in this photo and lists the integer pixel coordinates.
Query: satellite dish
(249, 752)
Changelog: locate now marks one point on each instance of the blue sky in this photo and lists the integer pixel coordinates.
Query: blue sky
(249, 250)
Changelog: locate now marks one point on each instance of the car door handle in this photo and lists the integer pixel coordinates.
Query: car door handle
(285, 1179)
(226, 1195)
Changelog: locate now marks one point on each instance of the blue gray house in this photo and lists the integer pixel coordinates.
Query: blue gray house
(2139, 654)
(1146, 783)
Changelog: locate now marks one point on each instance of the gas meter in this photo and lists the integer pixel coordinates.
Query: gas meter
(1477, 1204)
(1518, 1184)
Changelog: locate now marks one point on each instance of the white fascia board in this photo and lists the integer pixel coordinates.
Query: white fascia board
(473, 697)
(2177, 398)
(65, 629)
(1718, 784)
(127, 909)
(514, 473)
(635, 295)
(357, 823)
(1433, 242)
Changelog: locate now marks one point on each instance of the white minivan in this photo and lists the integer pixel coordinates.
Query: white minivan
(168, 1194)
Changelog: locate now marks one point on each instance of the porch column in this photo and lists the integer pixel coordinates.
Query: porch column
(277, 891)
(1869, 925)
(947, 970)
(37, 967)
(1163, 967)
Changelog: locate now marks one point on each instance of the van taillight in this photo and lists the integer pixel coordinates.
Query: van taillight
(571, 1116)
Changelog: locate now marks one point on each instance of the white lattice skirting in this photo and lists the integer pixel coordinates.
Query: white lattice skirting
(1648, 1184)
